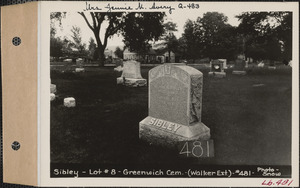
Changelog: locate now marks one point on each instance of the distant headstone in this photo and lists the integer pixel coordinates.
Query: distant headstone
(52, 88)
(260, 64)
(52, 96)
(118, 62)
(239, 66)
(131, 75)
(69, 102)
(217, 69)
(241, 56)
(79, 62)
(175, 105)
(79, 69)
(224, 63)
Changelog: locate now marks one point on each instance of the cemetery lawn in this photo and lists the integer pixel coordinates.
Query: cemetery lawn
(249, 118)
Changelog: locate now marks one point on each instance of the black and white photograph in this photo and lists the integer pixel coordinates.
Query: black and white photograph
(171, 90)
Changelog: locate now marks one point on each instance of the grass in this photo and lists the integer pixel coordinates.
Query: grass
(249, 117)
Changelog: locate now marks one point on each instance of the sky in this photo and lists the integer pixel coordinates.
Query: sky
(74, 19)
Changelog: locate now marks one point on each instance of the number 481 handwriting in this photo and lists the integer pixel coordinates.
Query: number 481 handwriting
(278, 183)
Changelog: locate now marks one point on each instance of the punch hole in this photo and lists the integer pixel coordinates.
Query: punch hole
(16, 41)
(15, 145)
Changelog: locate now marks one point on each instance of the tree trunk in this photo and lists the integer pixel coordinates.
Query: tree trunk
(101, 57)
(100, 49)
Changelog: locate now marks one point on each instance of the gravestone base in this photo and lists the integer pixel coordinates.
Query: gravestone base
(217, 74)
(239, 72)
(132, 82)
(169, 134)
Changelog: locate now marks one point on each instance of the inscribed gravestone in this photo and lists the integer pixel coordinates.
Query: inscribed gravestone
(175, 105)
(217, 69)
(224, 63)
(239, 66)
(131, 75)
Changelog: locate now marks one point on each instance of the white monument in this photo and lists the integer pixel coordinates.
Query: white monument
(131, 75)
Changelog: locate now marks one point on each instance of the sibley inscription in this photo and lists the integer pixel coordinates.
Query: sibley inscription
(173, 127)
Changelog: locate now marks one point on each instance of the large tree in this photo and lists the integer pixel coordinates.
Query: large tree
(119, 53)
(169, 37)
(217, 37)
(168, 40)
(55, 19)
(141, 28)
(267, 35)
(56, 48)
(92, 49)
(115, 22)
(56, 43)
(210, 36)
(77, 41)
(192, 39)
(137, 28)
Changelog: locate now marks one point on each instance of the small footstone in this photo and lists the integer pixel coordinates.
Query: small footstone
(52, 96)
(239, 72)
(79, 69)
(69, 102)
(52, 88)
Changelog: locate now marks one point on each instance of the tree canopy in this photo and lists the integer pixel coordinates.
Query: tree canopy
(260, 35)
(137, 28)
(77, 40)
(210, 36)
(119, 53)
(140, 28)
(268, 35)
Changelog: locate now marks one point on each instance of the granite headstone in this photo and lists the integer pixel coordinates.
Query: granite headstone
(175, 105)
(240, 65)
(131, 75)
(217, 69)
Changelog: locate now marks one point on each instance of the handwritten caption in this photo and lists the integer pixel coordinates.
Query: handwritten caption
(281, 182)
(109, 7)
